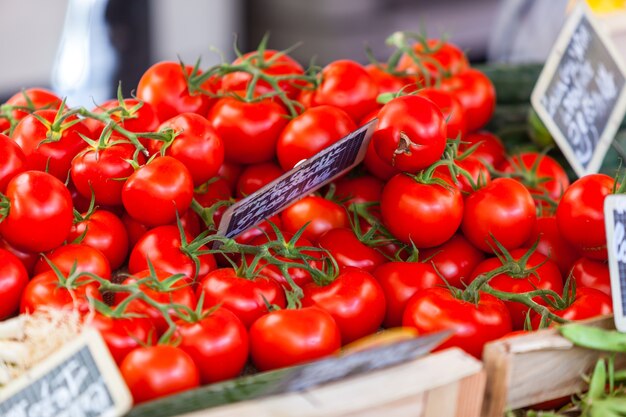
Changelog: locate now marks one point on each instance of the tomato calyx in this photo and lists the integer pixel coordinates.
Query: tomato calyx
(5, 207)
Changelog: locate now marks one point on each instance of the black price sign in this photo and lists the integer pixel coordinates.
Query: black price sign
(580, 94)
(301, 181)
(615, 224)
(81, 380)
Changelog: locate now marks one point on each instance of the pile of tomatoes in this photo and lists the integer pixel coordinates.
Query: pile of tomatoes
(113, 211)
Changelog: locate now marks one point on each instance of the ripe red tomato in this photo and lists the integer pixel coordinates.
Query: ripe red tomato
(451, 108)
(376, 166)
(12, 161)
(28, 259)
(155, 192)
(439, 58)
(123, 335)
(435, 309)
(361, 189)
(134, 228)
(217, 343)
(129, 115)
(33, 99)
(81, 257)
(455, 259)
(349, 251)
(39, 215)
(491, 150)
(156, 371)
(307, 134)
(400, 281)
(476, 169)
(13, 280)
(589, 303)
(592, 274)
(256, 176)
(45, 290)
(580, 215)
(477, 95)
(320, 214)
(503, 210)
(230, 173)
(291, 337)
(386, 82)
(426, 214)
(410, 134)
(552, 244)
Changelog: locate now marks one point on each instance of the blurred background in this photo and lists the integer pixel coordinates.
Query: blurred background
(81, 48)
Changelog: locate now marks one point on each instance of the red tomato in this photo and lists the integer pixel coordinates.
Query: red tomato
(451, 108)
(376, 166)
(580, 215)
(386, 82)
(164, 86)
(354, 299)
(473, 325)
(123, 335)
(230, 173)
(105, 232)
(28, 259)
(157, 371)
(13, 280)
(34, 99)
(552, 244)
(157, 191)
(592, 274)
(410, 134)
(39, 215)
(259, 230)
(589, 303)
(320, 214)
(129, 115)
(362, 189)
(12, 161)
(545, 276)
(290, 337)
(244, 297)
(81, 257)
(476, 169)
(45, 290)
(400, 281)
(491, 150)
(134, 228)
(249, 130)
(257, 176)
(217, 343)
(455, 259)
(439, 58)
(477, 95)
(307, 134)
(349, 251)
(212, 192)
(503, 210)
(426, 214)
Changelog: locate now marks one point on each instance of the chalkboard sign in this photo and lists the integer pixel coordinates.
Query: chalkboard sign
(615, 224)
(580, 95)
(305, 178)
(80, 380)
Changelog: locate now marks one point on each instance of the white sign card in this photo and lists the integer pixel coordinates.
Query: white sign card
(615, 224)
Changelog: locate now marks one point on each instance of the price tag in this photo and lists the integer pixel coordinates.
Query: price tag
(615, 224)
(80, 380)
(580, 95)
(301, 181)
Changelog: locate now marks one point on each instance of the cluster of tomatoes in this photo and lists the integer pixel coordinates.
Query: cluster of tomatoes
(113, 212)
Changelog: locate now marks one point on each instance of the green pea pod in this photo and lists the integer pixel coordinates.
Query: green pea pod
(595, 338)
(608, 407)
(598, 382)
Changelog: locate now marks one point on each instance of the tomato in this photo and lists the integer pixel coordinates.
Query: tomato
(545, 275)
(212, 192)
(439, 58)
(476, 169)
(249, 130)
(592, 274)
(454, 260)
(386, 82)
(361, 189)
(13, 280)
(165, 87)
(307, 134)
(376, 166)
(347, 85)
(196, 145)
(39, 212)
(105, 232)
(157, 371)
(217, 343)
(503, 210)
(552, 244)
(354, 299)
(400, 281)
(244, 297)
(131, 114)
(45, 290)
(260, 229)
(80, 257)
(410, 134)
(254, 177)
(163, 247)
(39, 98)
(490, 150)
(123, 335)
(230, 173)
(320, 214)
(46, 149)
(157, 191)
(580, 215)
(134, 228)
(349, 251)
(473, 325)
(451, 109)
(12, 161)
(28, 259)
(290, 337)
(477, 95)
(425, 214)
(588, 303)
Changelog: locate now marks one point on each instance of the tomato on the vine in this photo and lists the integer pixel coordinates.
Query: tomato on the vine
(122, 335)
(455, 259)
(320, 214)
(46, 290)
(349, 251)
(13, 280)
(477, 95)
(75, 256)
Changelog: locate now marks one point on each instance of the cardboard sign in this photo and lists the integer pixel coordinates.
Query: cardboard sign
(301, 181)
(580, 95)
(615, 224)
(80, 380)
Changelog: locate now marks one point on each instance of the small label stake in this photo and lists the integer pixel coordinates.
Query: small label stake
(615, 225)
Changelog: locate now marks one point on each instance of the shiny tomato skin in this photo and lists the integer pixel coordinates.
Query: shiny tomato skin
(588, 303)
(451, 109)
(441, 59)
(12, 161)
(490, 151)
(455, 259)
(155, 192)
(40, 98)
(478, 171)
(44, 290)
(552, 244)
(153, 372)
(349, 251)
(400, 281)
(75, 255)
(254, 177)
(290, 337)
(376, 166)
(386, 82)
(321, 214)
(123, 335)
(427, 214)
(592, 274)
(28, 259)
(133, 118)
(13, 280)
(217, 343)
(473, 325)
(477, 95)
(310, 132)
(503, 210)
(580, 215)
(40, 214)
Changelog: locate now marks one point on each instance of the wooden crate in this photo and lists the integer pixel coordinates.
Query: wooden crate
(535, 367)
(449, 383)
